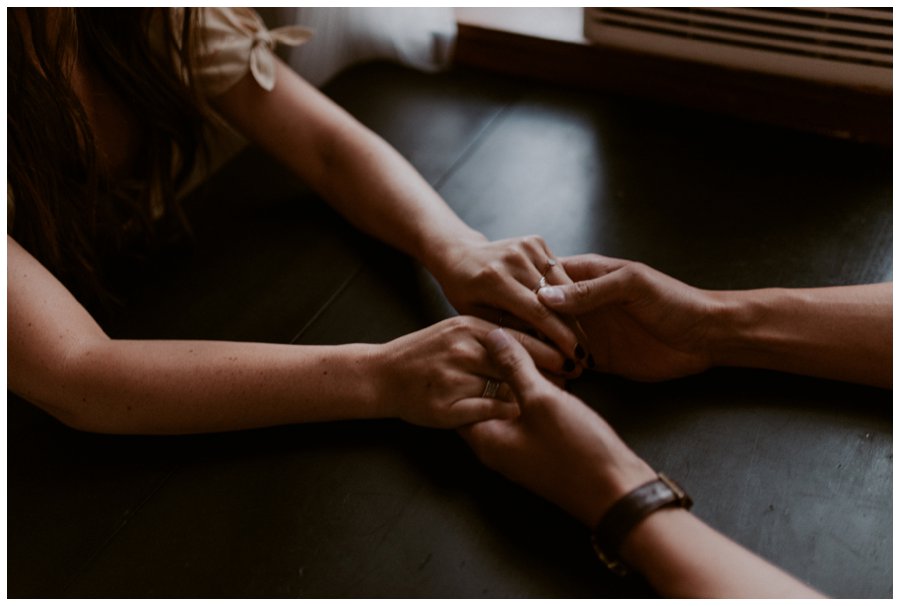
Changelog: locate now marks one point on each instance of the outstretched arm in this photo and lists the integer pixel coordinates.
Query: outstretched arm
(565, 452)
(62, 361)
(375, 188)
(646, 325)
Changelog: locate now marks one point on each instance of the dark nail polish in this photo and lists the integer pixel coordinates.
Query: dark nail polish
(590, 362)
(569, 365)
(579, 352)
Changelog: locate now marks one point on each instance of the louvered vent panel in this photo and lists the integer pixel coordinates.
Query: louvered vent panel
(847, 46)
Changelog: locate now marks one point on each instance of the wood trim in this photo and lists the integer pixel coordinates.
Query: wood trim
(805, 105)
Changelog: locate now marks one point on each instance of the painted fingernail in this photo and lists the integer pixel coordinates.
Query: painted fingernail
(590, 362)
(569, 365)
(579, 352)
(552, 294)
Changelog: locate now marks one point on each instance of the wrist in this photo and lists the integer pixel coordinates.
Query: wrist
(742, 335)
(375, 363)
(615, 480)
(629, 513)
(441, 254)
(735, 313)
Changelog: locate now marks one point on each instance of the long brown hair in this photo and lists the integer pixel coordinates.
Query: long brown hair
(67, 210)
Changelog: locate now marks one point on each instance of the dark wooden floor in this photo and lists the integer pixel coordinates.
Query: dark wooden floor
(799, 470)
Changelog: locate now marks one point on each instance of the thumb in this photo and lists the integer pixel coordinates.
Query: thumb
(514, 364)
(585, 296)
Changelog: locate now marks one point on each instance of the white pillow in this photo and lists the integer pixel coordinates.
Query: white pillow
(421, 38)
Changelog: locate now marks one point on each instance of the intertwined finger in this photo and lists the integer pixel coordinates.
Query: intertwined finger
(475, 410)
(587, 267)
(514, 365)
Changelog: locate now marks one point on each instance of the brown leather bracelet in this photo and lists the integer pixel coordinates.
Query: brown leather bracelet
(625, 514)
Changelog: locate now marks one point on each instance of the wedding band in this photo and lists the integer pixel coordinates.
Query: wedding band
(541, 284)
(490, 388)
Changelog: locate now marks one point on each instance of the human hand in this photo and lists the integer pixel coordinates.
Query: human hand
(497, 281)
(437, 376)
(640, 323)
(557, 447)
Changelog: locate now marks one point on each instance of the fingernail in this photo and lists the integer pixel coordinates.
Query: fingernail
(590, 362)
(552, 294)
(569, 365)
(579, 352)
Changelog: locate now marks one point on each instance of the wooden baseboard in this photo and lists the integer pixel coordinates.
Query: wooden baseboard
(805, 105)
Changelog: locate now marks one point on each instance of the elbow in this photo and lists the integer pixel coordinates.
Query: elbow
(70, 387)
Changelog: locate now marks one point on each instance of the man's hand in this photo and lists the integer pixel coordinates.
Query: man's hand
(640, 323)
(557, 447)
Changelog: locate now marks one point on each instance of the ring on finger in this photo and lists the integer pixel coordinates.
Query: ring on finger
(551, 263)
(541, 284)
(490, 388)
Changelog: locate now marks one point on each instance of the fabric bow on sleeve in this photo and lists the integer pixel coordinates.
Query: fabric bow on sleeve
(236, 41)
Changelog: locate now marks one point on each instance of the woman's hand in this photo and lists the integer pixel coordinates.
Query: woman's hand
(640, 323)
(437, 376)
(498, 281)
(557, 447)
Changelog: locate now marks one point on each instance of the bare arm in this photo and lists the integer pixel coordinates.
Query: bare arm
(375, 188)
(682, 557)
(842, 332)
(565, 452)
(61, 360)
(646, 325)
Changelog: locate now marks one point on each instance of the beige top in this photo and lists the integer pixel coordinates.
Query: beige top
(235, 41)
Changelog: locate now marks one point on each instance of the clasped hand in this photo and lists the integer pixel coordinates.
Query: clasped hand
(639, 322)
(497, 281)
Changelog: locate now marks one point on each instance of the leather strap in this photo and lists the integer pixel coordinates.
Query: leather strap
(625, 514)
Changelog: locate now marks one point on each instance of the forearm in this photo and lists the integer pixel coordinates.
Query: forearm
(382, 194)
(681, 557)
(357, 172)
(172, 387)
(841, 333)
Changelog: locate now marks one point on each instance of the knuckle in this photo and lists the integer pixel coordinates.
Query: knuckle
(512, 255)
(634, 273)
(458, 350)
(638, 268)
(458, 324)
(536, 243)
(494, 269)
(581, 291)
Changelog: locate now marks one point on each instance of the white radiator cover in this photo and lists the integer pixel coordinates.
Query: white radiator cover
(842, 46)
